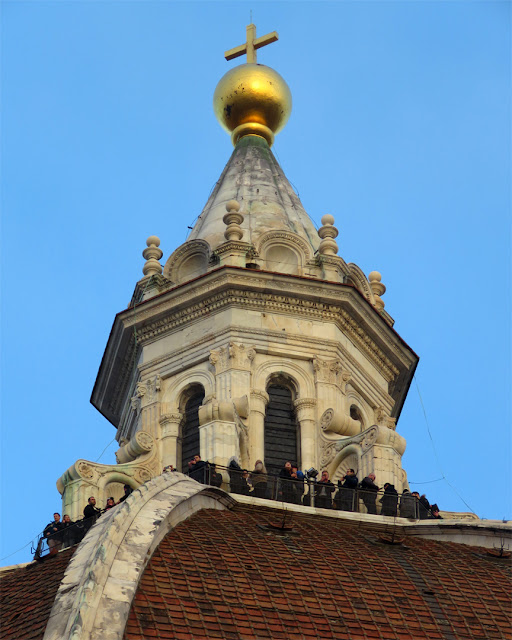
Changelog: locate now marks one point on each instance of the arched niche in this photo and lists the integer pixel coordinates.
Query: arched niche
(282, 259)
(283, 252)
(358, 280)
(188, 261)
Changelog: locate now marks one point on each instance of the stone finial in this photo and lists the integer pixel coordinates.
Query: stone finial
(152, 254)
(328, 246)
(233, 219)
(378, 289)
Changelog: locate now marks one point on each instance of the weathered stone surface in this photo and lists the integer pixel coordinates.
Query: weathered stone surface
(100, 581)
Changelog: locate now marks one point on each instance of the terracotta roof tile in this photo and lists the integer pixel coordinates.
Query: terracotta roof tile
(219, 576)
(27, 595)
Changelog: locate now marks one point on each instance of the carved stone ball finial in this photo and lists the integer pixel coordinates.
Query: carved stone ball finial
(233, 219)
(152, 255)
(378, 289)
(328, 246)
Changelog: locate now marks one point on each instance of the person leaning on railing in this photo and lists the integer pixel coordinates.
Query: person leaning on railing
(259, 480)
(345, 498)
(369, 493)
(215, 476)
(407, 505)
(389, 500)
(52, 533)
(324, 490)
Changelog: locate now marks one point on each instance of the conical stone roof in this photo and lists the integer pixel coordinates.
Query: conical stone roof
(267, 200)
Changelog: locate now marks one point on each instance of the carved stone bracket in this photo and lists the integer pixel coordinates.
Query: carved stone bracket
(147, 390)
(383, 418)
(137, 463)
(232, 356)
(153, 386)
(330, 449)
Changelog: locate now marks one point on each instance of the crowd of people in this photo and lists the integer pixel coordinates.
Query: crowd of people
(290, 485)
(293, 486)
(60, 534)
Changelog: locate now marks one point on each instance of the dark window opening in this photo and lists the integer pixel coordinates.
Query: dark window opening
(190, 432)
(281, 433)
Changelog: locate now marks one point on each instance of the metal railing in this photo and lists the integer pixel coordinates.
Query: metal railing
(66, 536)
(307, 492)
(312, 492)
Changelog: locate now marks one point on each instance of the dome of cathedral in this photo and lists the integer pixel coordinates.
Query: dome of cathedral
(252, 99)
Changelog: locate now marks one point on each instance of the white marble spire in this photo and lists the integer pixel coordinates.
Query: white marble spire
(254, 178)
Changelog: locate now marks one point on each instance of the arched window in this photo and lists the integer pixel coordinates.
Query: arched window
(281, 434)
(190, 428)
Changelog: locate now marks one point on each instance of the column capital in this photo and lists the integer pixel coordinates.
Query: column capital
(259, 400)
(232, 356)
(167, 418)
(305, 408)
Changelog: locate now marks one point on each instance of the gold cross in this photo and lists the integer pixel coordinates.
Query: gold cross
(251, 45)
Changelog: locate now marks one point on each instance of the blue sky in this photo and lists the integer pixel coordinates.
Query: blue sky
(400, 129)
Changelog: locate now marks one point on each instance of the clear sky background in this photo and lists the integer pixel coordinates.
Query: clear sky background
(400, 129)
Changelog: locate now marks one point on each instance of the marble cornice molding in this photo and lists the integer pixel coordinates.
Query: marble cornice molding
(235, 245)
(285, 304)
(300, 285)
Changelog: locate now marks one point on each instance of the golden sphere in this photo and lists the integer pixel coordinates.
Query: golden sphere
(252, 99)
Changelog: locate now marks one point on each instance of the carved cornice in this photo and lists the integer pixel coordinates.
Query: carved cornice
(235, 245)
(232, 356)
(286, 304)
(305, 298)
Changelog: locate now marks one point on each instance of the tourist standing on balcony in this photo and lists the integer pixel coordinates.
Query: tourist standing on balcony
(345, 500)
(197, 469)
(91, 513)
(259, 480)
(389, 500)
(408, 505)
(369, 493)
(287, 483)
(324, 490)
(52, 533)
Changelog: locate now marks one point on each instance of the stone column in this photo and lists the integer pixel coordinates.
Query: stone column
(259, 401)
(170, 438)
(305, 409)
